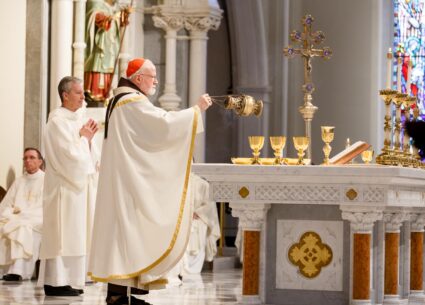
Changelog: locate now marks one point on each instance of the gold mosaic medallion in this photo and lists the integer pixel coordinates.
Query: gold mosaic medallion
(310, 254)
(351, 194)
(244, 192)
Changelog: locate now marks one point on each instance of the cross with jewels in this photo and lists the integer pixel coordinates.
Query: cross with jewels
(308, 39)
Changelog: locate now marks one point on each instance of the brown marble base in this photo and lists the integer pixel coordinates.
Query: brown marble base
(251, 263)
(361, 266)
(416, 263)
(392, 241)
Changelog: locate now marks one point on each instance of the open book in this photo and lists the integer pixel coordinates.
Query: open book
(349, 153)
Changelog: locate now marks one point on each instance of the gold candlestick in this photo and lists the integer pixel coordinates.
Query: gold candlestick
(398, 101)
(407, 156)
(256, 143)
(301, 144)
(385, 157)
(327, 137)
(307, 40)
(278, 144)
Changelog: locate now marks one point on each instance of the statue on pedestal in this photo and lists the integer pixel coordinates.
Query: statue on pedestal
(104, 21)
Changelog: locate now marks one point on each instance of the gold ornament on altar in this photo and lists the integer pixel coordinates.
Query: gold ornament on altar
(278, 144)
(327, 137)
(256, 143)
(308, 39)
(242, 105)
(310, 254)
(301, 144)
(367, 156)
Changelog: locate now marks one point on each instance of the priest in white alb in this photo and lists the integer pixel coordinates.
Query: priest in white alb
(21, 218)
(68, 187)
(205, 229)
(142, 218)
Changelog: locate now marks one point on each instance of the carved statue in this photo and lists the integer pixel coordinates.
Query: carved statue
(104, 21)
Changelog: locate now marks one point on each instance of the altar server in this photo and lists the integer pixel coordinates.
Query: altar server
(69, 183)
(205, 229)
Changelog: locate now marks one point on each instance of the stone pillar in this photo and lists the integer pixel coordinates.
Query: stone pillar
(361, 223)
(198, 28)
(417, 223)
(79, 44)
(169, 100)
(60, 46)
(392, 223)
(251, 220)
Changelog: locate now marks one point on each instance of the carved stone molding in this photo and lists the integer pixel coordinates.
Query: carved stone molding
(417, 222)
(361, 221)
(173, 22)
(394, 220)
(251, 217)
(202, 24)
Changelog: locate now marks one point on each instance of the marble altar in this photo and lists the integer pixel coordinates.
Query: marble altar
(313, 235)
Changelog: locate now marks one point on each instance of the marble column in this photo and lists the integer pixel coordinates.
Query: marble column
(417, 223)
(251, 220)
(60, 46)
(392, 223)
(361, 223)
(169, 100)
(79, 44)
(198, 28)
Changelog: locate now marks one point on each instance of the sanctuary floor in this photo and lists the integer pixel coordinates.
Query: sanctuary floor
(209, 288)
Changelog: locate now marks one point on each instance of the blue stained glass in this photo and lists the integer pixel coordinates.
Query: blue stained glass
(409, 42)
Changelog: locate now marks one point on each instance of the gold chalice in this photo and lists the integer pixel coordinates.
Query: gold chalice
(278, 144)
(327, 137)
(367, 156)
(256, 143)
(301, 144)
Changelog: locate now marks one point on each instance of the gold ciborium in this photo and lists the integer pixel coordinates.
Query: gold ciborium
(327, 137)
(256, 143)
(278, 144)
(367, 156)
(301, 144)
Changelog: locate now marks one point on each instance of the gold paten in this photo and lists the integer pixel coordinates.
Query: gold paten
(244, 192)
(351, 194)
(310, 254)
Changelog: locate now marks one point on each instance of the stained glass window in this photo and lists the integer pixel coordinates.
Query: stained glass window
(409, 42)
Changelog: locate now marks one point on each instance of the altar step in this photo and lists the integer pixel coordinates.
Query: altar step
(229, 260)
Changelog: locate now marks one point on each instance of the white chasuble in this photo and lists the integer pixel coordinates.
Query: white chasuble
(21, 219)
(70, 169)
(142, 220)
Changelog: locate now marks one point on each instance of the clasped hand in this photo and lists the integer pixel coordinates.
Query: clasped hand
(89, 129)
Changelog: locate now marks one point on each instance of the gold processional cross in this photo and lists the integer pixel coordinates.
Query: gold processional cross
(308, 40)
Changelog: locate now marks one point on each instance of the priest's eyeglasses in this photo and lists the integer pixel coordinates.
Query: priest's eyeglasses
(151, 76)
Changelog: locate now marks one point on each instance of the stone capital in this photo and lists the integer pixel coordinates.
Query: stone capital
(251, 217)
(417, 222)
(202, 24)
(167, 23)
(393, 220)
(361, 220)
